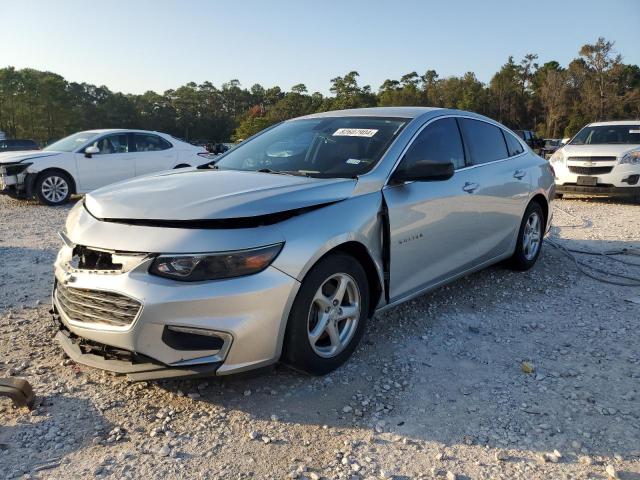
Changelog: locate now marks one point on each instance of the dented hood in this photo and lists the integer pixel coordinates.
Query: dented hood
(212, 195)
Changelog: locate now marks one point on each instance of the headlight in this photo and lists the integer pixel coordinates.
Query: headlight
(214, 266)
(14, 168)
(557, 157)
(632, 158)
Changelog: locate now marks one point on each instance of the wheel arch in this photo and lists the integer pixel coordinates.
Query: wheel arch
(360, 253)
(39, 175)
(541, 200)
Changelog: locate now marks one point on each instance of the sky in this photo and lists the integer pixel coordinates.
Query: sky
(135, 46)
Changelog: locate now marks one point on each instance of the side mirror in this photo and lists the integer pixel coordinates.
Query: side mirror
(423, 171)
(91, 150)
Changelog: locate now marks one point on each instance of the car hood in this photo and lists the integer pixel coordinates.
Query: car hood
(212, 195)
(19, 156)
(609, 150)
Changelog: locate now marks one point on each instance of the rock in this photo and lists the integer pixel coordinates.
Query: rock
(164, 451)
(451, 475)
(266, 439)
(253, 435)
(247, 393)
(611, 472)
(586, 460)
(500, 456)
(347, 409)
(439, 456)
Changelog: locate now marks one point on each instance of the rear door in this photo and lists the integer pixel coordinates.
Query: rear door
(153, 153)
(114, 162)
(499, 163)
(432, 224)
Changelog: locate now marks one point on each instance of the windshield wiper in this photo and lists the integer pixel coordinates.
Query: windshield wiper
(295, 173)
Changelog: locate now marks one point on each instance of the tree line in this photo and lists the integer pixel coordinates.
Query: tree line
(553, 100)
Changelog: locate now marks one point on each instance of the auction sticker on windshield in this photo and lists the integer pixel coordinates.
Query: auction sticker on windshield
(355, 132)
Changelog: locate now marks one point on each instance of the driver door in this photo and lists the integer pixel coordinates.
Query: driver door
(114, 162)
(432, 223)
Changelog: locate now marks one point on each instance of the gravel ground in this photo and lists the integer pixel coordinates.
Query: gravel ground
(501, 375)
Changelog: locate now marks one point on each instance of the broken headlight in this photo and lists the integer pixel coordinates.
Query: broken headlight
(13, 168)
(214, 266)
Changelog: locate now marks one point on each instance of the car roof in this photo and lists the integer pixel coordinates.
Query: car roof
(398, 112)
(116, 130)
(616, 122)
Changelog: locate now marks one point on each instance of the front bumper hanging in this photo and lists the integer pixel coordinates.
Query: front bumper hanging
(136, 367)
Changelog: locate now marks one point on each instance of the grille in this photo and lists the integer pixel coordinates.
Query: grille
(592, 159)
(97, 307)
(590, 170)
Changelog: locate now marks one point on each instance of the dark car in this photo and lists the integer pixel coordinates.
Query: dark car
(14, 145)
(531, 139)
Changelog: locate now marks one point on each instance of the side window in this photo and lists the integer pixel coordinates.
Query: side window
(438, 142)
(117, 143)
(513, 145)
(150, 143)
(485, 141)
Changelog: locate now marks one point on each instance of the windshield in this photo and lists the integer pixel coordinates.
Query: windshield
(72, 142)
(608, 134)
(318, 147)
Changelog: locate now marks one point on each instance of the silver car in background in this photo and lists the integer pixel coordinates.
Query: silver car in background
(291, 241)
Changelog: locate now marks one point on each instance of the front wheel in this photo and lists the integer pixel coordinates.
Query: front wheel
(529, 240)
(53, 188)
(328, 316)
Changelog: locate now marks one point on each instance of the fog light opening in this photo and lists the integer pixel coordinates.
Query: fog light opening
(190, 338)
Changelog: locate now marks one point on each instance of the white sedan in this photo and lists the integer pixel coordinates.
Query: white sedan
(88, 160)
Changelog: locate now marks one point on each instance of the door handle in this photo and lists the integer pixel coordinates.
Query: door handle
(470, 187)
(519, 174)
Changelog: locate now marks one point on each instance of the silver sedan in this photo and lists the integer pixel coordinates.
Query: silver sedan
(284, 247)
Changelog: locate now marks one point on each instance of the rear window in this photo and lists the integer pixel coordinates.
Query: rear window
(513, 145)
(485, 141)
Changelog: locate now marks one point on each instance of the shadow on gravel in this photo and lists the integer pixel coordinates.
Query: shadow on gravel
(448, 367)
(40, 439)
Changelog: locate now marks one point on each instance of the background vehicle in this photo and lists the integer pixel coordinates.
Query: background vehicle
(601, 159)
(550, 146)
(88, 160)
(293, 240)
(530, 138)
(13, 145)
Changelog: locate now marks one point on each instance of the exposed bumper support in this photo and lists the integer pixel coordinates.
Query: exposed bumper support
(134, 371)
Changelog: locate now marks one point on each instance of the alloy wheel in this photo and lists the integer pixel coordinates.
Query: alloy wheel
(334, 315)
(532, 236)
(54, 189)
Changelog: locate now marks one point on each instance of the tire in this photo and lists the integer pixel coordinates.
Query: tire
(53, 188)
(313, 307)
(527, 250)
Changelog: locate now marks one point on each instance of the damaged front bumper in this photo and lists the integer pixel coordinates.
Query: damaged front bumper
(135, 366)
(15, 181)
(146, 327)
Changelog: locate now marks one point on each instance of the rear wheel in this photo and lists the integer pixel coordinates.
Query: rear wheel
(53, 188)
(530, 237)
(328, 316)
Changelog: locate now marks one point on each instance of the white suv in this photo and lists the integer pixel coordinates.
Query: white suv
(88, 160)
(602, 159)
